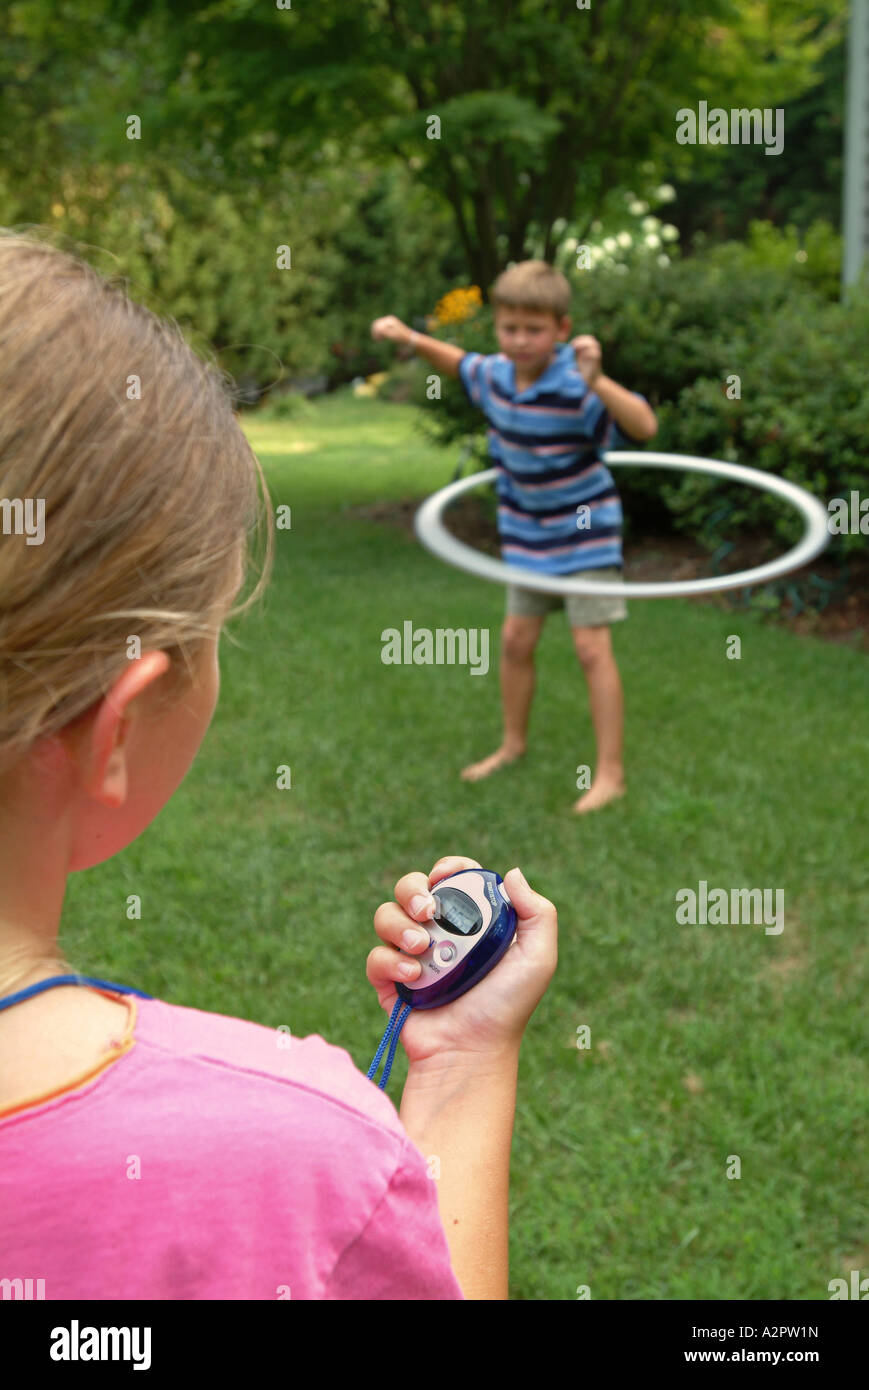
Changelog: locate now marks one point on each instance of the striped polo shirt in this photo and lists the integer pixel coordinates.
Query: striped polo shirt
(558, 507)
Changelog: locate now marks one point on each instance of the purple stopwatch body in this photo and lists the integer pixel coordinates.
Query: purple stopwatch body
(473, 926)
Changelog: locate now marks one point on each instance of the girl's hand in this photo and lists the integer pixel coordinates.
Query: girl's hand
(390, 327)
(492, 1016)
(588, 357)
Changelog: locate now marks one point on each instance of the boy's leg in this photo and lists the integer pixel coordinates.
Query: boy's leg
(593, 647)
(519, 637)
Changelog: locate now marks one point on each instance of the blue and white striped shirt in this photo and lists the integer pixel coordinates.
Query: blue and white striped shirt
(546, 443)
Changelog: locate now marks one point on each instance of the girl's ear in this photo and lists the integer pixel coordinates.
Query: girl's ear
(100, 738)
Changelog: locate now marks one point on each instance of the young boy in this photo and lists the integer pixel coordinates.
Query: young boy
(551, 414)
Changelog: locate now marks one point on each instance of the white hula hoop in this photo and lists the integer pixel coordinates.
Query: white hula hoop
(435, 537)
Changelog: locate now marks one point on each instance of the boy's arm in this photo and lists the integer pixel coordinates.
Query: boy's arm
(444, 356)
(633, 416)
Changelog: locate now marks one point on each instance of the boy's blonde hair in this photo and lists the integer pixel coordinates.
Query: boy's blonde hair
(148, 502)
(532, 285)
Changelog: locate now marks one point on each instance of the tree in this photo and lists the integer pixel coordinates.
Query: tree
(723, 194)
(516, 112)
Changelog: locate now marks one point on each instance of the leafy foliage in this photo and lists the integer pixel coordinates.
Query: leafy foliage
(542, 110)
(362, 243)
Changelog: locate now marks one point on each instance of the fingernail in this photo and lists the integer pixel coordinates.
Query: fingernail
(409, 969)
(422, 905)
(522, 878)
(413, 938)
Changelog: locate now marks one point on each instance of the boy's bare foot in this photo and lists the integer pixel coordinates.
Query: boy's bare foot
(602, 790)
(501, 758)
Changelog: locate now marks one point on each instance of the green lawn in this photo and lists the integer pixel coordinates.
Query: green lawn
(707, 1041)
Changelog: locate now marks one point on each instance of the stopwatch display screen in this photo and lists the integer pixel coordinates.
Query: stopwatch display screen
(458, 913)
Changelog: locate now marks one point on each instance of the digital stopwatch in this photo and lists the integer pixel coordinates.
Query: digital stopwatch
(473, 925)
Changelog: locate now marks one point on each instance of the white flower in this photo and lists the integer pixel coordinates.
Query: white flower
(625, 239)
(663, 260)
(637, 208)
(609, 243)
(651, 224)
(559, 225)
(653, 241)
(666, 193)
(669, 232)
(597, 226)
(801, 256)
(570, 244)
(597, 253)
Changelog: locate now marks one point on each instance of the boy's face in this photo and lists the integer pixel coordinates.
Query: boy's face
(528, 337)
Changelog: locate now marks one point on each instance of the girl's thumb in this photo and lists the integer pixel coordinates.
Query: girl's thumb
(530, 906)
(537, 927)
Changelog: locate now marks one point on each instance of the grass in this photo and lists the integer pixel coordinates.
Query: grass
(706, 1041)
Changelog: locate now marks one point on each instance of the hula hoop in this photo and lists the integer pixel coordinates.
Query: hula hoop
(435, 537)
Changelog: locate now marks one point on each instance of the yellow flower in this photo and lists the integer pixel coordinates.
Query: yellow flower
(457, 305)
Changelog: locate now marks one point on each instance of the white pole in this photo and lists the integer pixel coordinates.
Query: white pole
(855, 194)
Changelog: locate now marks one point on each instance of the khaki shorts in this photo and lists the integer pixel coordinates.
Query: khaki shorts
(583, 610)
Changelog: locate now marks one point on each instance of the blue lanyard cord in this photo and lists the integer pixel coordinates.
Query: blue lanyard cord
(399, 1005)
(68, 980)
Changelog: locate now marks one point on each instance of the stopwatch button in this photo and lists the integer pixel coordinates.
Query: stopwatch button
(446, 952)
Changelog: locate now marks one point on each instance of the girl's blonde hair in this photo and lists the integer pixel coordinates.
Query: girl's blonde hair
(150, 492)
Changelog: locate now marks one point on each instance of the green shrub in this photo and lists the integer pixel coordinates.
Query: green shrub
(363, 242)
(290, 405)
(402, 381)
(803, 414)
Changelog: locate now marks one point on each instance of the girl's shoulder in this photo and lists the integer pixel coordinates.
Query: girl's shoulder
(271, 1053)
(55, 1040)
